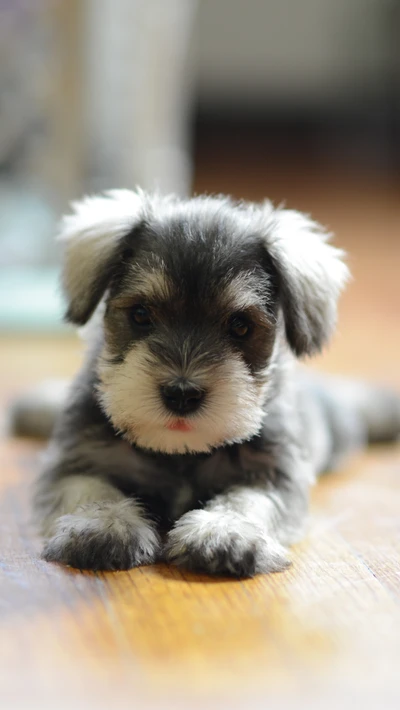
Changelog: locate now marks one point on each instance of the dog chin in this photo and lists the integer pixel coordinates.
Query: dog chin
(171, 442)
(164, 441)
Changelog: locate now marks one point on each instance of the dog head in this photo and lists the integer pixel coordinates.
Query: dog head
(202, 298)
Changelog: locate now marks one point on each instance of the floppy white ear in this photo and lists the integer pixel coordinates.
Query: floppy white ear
(91, 237)
(311, 275)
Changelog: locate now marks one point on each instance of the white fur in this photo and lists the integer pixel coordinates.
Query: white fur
(301, 243)
(233, 410)
(90, 234)
(315, 266)
(215, 538)
(86, 509)
(243, 520)
(110, 524)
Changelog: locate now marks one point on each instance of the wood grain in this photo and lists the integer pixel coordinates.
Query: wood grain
(324, 634)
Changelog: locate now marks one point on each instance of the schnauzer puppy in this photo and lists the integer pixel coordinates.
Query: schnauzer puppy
(191, 434)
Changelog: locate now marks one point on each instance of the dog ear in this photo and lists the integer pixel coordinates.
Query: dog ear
(92, 236)
(311, 275)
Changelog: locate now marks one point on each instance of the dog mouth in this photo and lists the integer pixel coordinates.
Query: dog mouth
(181, 425)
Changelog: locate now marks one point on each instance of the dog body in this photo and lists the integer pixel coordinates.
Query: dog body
(191, 433)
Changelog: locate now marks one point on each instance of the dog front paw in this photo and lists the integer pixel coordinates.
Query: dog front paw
(107, 536)
(221, 543)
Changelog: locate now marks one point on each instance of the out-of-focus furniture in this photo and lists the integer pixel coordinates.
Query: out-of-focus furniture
(138, 63)
(120, 95)
(94, 94)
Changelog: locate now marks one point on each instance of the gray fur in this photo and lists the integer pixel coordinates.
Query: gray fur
(231, 495)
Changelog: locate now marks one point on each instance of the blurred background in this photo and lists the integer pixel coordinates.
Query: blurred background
(297, 101)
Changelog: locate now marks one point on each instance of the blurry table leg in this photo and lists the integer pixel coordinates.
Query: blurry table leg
(139, 83)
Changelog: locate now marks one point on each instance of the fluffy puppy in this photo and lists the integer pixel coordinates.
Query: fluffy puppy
(190, 432)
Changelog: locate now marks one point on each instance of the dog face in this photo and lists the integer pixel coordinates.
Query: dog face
(203, 298)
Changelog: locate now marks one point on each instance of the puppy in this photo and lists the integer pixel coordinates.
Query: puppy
(191, 434)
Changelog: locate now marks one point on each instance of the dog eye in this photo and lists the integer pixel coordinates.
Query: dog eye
(239, 327)
(140, 315)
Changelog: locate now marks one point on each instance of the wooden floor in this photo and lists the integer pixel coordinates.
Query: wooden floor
(324, 634)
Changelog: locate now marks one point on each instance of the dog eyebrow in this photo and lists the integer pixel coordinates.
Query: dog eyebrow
(150, 284)
(245, 291)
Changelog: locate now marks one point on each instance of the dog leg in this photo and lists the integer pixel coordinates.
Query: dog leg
(89, 524)
(242, 532)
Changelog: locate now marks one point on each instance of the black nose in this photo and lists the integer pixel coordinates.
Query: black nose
(182, 397)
